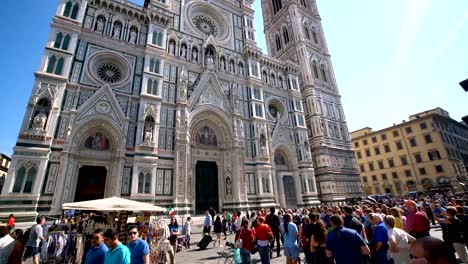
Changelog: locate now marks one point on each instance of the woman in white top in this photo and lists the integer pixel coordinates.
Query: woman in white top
(398, 242)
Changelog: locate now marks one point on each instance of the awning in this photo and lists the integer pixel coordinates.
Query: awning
(113, 204)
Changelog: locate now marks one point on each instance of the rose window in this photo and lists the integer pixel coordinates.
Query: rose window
(109, 73)
(205, 25)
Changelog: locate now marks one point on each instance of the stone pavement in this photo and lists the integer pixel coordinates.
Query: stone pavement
(212, 255)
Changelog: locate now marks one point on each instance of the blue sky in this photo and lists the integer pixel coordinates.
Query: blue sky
(392, 58)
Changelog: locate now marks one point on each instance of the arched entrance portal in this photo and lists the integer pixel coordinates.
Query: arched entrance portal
(207, 186)
(212, 158)
(284, 172)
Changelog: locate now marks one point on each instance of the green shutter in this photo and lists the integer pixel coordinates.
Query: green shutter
(29, 180)
(74, 11)
(51, 64)
(19, 180)
(68, 7)
(58, 40)
(66, 42)
(58, 69)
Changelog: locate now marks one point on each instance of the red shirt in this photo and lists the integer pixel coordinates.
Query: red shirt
(248, 236)
(261, 232)
(417, 222)
(11, 221)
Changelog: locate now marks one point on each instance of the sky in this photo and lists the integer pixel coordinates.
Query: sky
(391, 58)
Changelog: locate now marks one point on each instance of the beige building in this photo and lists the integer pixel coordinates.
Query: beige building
(428, 152)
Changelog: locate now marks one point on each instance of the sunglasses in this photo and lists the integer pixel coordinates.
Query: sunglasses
(132, 233)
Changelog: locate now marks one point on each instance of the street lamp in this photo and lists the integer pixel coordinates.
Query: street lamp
(464, 85)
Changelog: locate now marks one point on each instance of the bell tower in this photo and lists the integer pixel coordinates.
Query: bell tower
(294, 33)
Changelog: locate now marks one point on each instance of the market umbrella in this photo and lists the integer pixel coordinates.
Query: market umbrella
(113, 204)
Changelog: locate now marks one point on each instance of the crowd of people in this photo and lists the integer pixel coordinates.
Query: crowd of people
(389, 231)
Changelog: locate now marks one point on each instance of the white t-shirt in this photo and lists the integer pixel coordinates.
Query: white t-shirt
(7, 243)
(401, 237)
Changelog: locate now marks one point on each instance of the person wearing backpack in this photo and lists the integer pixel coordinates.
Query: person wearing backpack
(273, 221)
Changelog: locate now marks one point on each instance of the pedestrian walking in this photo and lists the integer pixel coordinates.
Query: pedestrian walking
(35, 237)
(263, 235)
(290, 234)
(247, 236)
(117, 253)
(344, 244)
(139, 249)
(97, 252)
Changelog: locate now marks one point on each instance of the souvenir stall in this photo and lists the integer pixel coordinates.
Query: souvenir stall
(68, 242)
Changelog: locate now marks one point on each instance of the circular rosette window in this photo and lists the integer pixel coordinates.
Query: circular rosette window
(276, 109)
(207, 20)
(108, 67)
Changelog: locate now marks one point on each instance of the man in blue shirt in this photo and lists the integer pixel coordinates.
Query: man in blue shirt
(117, 253)
(345, 244)
(96, 254)
(380, 239)
(139, 249)
(207, 224)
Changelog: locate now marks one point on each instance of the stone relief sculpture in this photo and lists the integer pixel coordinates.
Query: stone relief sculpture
(133, 34)
(194, 54)
(148, 134)
(228, 186)
(117, 30)
(183, 51)
(39, 121)
(172, 47)
(183, 83)
(100, 24)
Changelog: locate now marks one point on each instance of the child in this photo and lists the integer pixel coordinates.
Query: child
(188, 230)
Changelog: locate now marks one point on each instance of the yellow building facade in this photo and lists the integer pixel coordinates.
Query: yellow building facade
(428, 152)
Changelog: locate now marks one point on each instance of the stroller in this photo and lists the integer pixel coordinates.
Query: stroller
(181, 243)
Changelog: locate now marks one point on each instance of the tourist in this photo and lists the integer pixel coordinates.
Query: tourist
(353, 222)
(207, 224)
(417, 223)
(318, 241)
(139, 249)
(217, 228)
(97, 252)
(247, 236)
(11, 221)
(273, 221)
(429, 250)
(35, 237)
(290, 234)
(173, 233)
(305, 235)
(7, 244)
(380, 239)
(16, 255)
(398, 241)
(454, 232)
(117, 253)
(263, 234)
(344, 244)
(400, 220)
(188, 231)
(229, 221)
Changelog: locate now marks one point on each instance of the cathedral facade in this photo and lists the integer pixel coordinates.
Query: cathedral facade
(173, 103)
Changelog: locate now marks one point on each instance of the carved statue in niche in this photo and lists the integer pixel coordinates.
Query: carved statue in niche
(172, 47)
(228, 186)
(133, 34)
(194, 54)
(210, 56)
(231, 66)
(263, 145)
(100, 24)
(117, 29)
(148, 134)
(183, 51)
(183, 83)
(39, 121)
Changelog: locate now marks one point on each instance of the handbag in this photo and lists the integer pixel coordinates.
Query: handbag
(238, 243)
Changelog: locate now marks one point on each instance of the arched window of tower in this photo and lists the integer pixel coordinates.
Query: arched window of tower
(306, 31)
(286, 36)
(278, 43)
(277, 5)
(314, 35)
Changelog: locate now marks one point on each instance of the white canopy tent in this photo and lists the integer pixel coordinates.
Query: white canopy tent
(113, 204)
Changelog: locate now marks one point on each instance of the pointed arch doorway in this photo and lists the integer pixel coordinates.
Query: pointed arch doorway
(91, 183)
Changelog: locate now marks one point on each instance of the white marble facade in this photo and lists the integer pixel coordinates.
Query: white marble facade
(147, 93)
